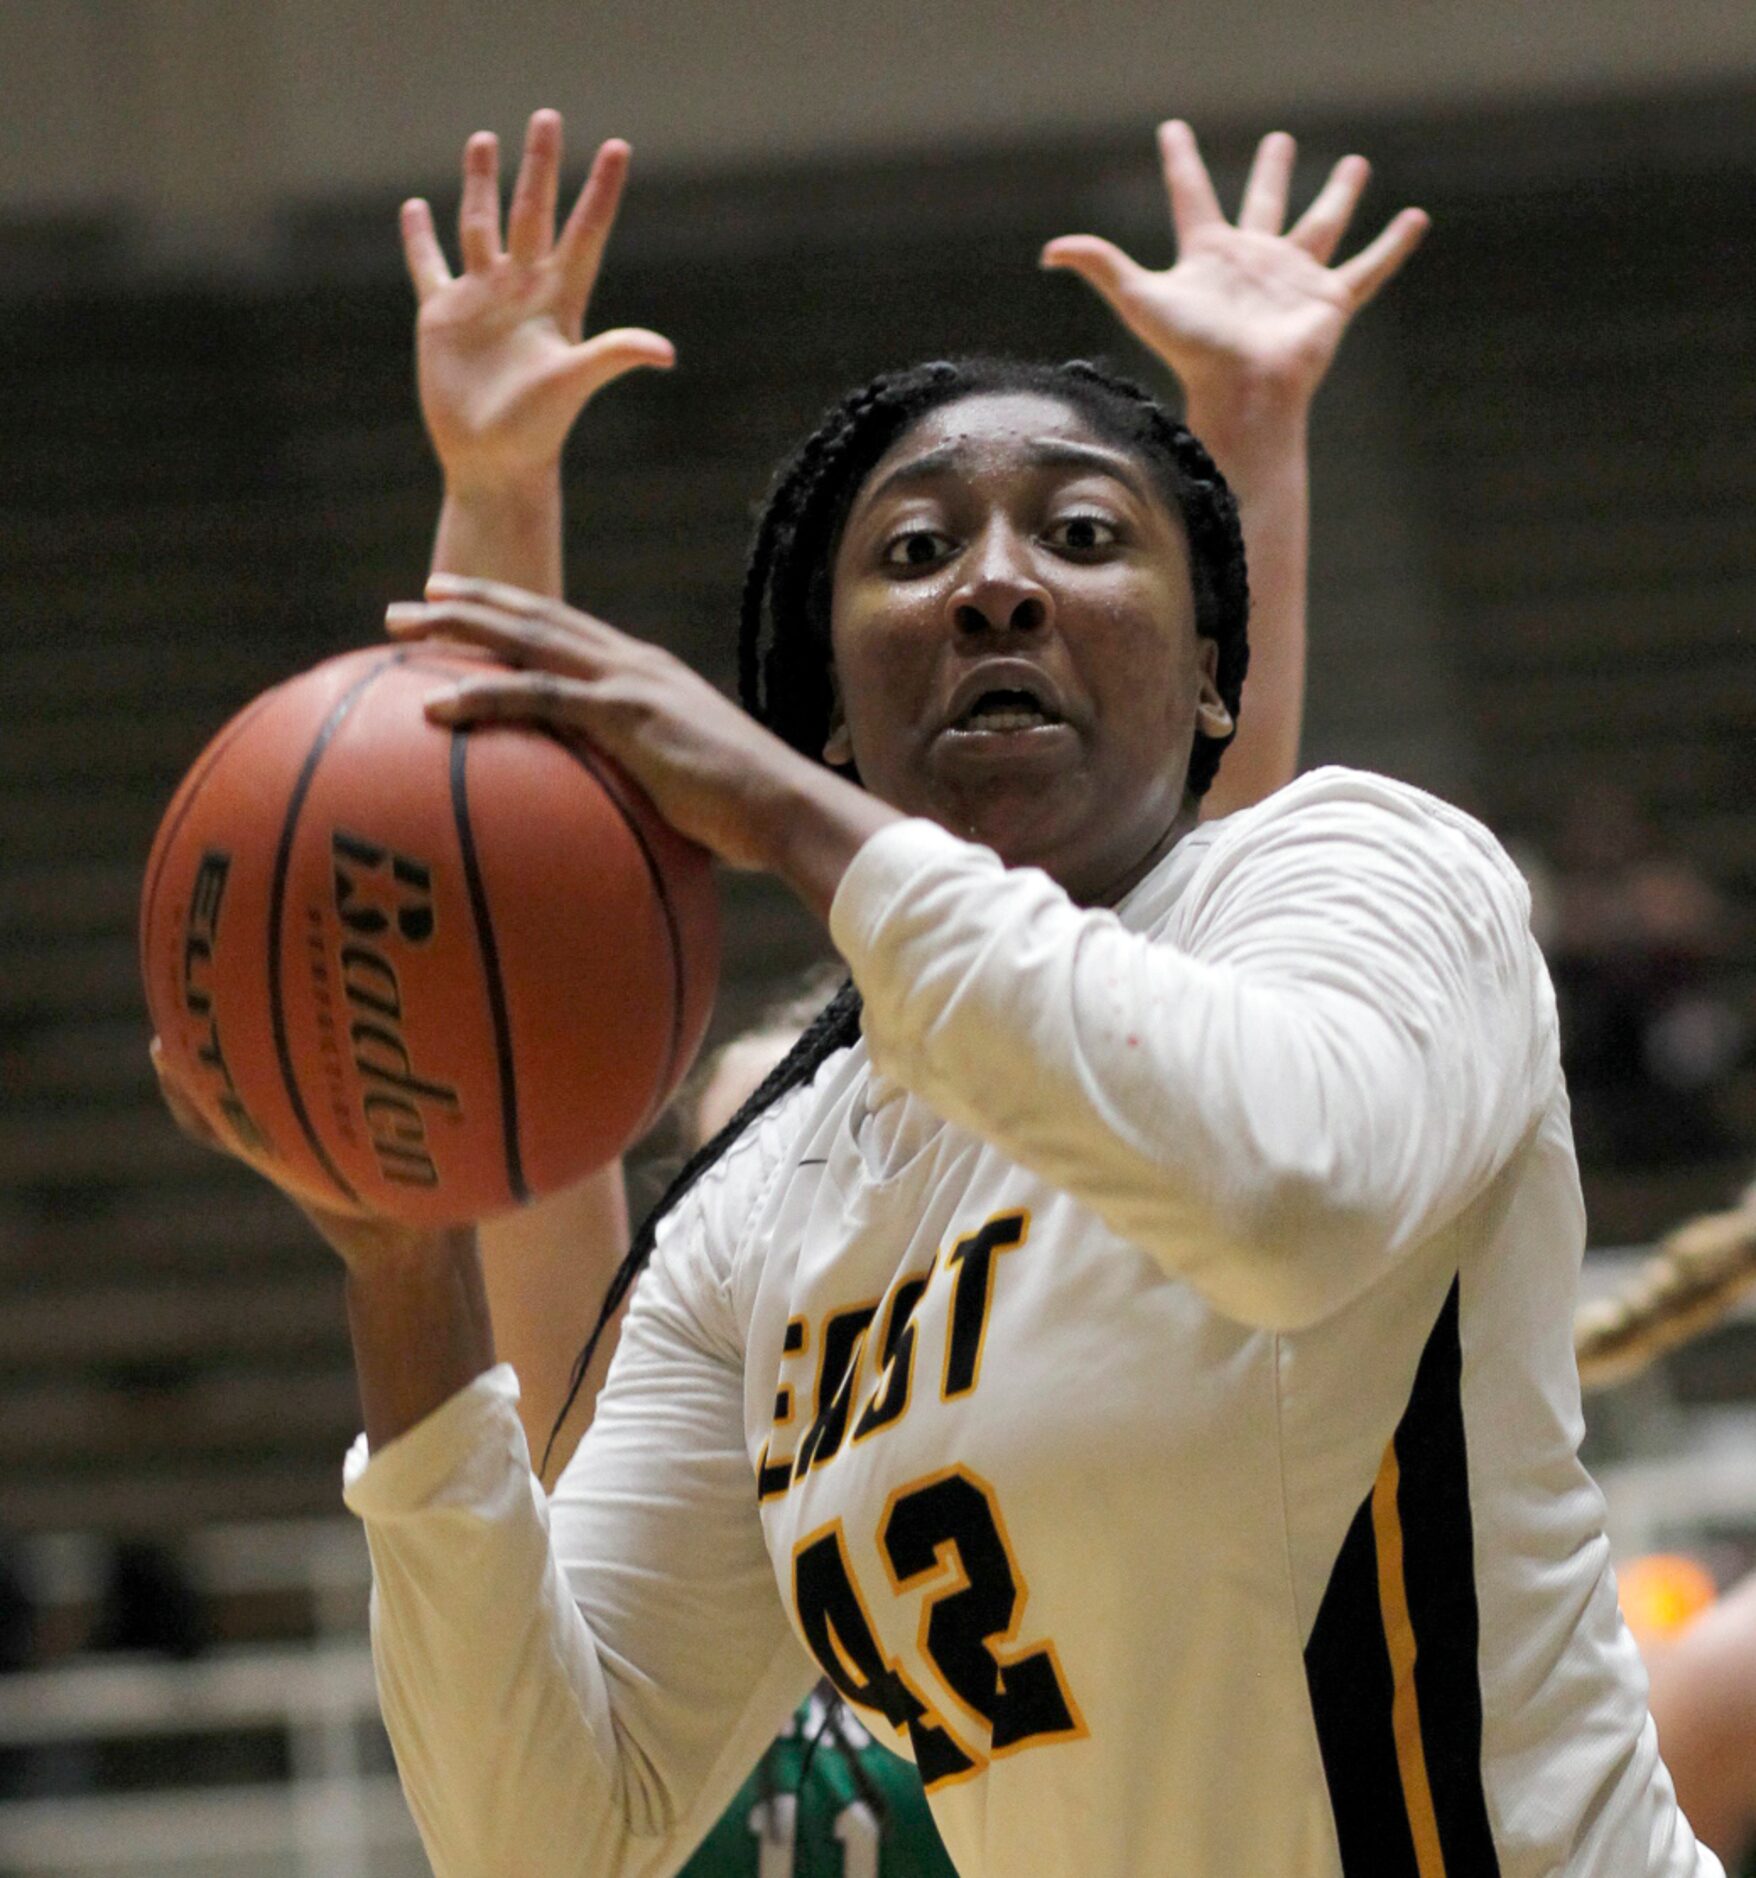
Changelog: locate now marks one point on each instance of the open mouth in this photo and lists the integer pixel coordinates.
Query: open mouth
(1006, 710)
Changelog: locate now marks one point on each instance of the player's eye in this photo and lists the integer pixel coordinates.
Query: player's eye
(1083, 534)
(916, 547)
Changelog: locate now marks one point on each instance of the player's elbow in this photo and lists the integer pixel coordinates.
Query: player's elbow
(1323, 1192)
(1289, 1278)
(1296, 1242)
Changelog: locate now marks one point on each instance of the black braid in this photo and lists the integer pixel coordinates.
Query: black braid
(835, 1027)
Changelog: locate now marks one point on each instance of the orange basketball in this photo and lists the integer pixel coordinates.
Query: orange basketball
(417, 972)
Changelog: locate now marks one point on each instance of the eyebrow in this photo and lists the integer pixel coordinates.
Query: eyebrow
(1049, 453)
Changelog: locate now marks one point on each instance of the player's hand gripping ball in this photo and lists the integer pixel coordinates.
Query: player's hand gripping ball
(417, 972)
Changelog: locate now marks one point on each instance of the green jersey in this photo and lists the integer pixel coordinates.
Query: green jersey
(826, 1801)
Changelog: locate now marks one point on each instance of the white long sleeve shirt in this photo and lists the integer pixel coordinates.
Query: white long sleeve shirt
(1139, 1374)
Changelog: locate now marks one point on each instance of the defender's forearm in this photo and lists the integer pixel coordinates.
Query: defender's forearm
(1260, 441)
(508, 532)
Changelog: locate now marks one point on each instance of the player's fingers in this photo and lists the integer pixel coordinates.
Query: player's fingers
(530, 223)
(528, 644)
(1264, 204)
(421, 249)
(623, 349)
(1193, 202)
(1378, 262)
(1320, 229)
(581, 246)
(510, 637)
(478, 214)
(1110, 273)
(531, 697)
(558, 640)
(183, 1110)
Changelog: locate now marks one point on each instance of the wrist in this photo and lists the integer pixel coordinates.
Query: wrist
(499, 491)
(503, 528)
(810, 825)
(1248, 409)
(1250, 430)
(418, 1319)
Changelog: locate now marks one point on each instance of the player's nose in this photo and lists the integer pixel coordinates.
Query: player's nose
(1000, 590)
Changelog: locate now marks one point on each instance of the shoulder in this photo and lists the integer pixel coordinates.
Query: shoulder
(1359, 880)
(1362, 805)
(1340, 827)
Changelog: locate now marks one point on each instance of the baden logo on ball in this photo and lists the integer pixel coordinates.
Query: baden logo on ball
(417, 971)
(390, 1092)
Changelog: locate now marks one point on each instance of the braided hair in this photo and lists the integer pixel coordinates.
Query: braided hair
(784, 654)
(1695, 1276)
(835, 1027)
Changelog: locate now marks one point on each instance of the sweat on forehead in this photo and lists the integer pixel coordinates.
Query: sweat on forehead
(969, 434)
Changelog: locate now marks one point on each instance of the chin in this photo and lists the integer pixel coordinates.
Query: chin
(1023, 829)
(1085, 851)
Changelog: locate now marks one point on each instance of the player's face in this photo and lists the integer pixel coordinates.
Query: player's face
(1015, 647)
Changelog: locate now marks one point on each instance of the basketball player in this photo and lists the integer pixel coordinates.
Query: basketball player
(1125, 1346)
(1248, 321)
(497, 396)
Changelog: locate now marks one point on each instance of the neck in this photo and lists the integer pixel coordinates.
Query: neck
(1123, 883)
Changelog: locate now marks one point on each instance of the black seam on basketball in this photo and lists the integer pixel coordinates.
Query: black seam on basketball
(277, 897)
(662, 1088)
(226, 739)
(478, 899)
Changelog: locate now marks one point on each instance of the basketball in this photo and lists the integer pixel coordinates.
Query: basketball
(417, 972)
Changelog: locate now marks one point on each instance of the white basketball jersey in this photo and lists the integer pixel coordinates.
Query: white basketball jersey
(1146, 1365)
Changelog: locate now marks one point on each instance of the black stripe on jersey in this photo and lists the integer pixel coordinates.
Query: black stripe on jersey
(1347, 1668)
(1438, 1569)
(1404, 1764)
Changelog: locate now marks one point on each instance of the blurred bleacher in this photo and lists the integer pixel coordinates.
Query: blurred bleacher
(1579, 385)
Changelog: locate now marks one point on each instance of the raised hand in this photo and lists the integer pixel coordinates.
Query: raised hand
(1246, 308)
(503, 366)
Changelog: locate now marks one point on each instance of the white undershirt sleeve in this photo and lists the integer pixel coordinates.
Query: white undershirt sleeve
(579, 1685)
(1341, 1034)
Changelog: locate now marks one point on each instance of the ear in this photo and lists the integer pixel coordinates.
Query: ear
(838, 746)
(1212, 718)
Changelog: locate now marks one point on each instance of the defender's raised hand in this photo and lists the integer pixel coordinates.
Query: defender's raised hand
(504, 368)
(1246, 306)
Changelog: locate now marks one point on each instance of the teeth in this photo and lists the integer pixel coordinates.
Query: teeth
(1004, 720)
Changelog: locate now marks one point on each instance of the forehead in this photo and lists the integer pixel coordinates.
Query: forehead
(998, 416)
(997, 430)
